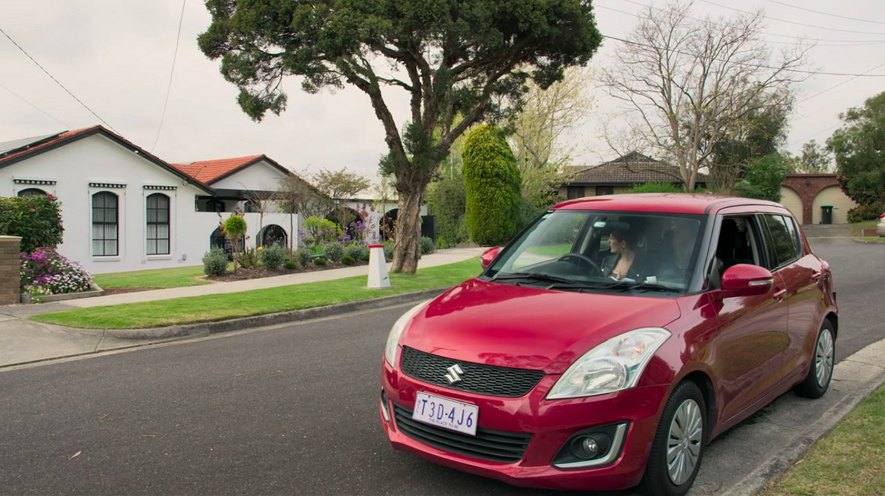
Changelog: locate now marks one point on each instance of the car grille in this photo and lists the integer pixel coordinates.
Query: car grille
(496, 446)
(477, 378)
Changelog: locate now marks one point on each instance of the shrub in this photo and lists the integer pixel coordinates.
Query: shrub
(37, 219)
(493, 187)
(446, 200)
(861, 213)
(319, 261)
(426, 245)
(291, 263)
(248, 258)
(302, 256)
(46, 272)
(334, 251)
(320, 231)
(357, 251)
(347, 260)
(234, 229)
(273, 257)
(215, 262)
(657, 188)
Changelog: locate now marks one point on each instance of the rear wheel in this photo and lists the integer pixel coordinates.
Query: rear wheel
(678, 445)
(820, 373)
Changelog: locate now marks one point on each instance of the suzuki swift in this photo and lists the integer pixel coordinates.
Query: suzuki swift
(610, 341)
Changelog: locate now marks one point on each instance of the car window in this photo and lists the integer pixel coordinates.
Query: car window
(594, 249)
(783, 236)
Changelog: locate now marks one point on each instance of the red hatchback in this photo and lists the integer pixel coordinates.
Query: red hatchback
(608, 343)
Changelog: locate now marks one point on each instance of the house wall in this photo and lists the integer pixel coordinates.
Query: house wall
(94, 164)
(259, 176)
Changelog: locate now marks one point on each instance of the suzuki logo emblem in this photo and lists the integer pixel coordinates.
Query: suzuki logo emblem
(454, 374)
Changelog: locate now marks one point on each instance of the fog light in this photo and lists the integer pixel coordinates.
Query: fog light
(593, 447)
(590, 447)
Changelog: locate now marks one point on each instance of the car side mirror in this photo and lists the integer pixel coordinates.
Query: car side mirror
(746, 280)
(489, 256)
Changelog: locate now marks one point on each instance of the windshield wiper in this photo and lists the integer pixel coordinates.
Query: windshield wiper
(629, 285)
(536, 276)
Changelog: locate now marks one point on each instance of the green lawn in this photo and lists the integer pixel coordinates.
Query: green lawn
(849, 461)
(858, 227)
(152, 279)
(211, 308)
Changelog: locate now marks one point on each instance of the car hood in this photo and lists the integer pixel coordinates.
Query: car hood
(524, 327)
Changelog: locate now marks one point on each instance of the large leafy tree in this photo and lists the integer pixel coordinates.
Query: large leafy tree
(859, 148)
(450, 57)
(743, 141)
(813, 160)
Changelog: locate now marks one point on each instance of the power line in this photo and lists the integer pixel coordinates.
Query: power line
(840, 84)
(800, 71)
(56, 80)
(880, 33)
(47, 114)
(825, 13)
(171, 72)
(837, 43)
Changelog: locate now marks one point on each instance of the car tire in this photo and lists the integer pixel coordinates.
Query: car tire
(679, 443)
(820, 373)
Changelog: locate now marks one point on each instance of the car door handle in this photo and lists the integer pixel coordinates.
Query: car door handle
(779, 294)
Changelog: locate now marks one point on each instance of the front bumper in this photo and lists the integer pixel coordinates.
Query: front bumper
(546, 426)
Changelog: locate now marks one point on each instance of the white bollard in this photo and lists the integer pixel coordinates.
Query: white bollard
(378, 277)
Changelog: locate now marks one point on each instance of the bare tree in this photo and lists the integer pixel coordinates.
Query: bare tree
(297, 196)
(538, 129)
(340, 185)
(689, 80)
(261, 202)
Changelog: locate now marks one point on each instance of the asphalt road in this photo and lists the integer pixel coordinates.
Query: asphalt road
(288, 410)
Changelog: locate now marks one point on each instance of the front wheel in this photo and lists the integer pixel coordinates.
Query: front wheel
(678, 445)
(817, 381)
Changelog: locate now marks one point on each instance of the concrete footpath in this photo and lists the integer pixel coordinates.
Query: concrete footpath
(739, 463)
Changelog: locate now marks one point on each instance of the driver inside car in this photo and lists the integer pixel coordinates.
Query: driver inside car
(625, 260)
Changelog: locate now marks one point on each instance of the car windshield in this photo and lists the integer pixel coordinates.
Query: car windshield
(581, 250)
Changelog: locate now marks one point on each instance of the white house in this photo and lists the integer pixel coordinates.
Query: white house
(125, 209)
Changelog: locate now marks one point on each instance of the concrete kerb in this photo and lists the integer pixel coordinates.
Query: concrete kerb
(207, 328)
(865, 370)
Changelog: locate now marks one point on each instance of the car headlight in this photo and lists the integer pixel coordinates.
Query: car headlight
(612, 366)
(397, 330)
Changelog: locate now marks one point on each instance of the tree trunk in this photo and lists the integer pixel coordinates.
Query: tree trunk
(407, 248)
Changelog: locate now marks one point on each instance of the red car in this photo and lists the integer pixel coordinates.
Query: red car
(610, 341)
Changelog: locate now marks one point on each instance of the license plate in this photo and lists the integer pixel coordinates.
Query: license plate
(446, 413)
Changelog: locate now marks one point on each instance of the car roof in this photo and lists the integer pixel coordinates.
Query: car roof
(676, 203)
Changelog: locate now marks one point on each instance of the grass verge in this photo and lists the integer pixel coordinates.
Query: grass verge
(177, 277)
(849, 461)
(212, 308)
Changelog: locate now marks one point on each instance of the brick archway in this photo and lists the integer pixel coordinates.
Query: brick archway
(808, 186)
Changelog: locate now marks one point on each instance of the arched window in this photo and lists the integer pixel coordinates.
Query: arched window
(32, 192)
(105, 228)
(273, 235)
(158, 236)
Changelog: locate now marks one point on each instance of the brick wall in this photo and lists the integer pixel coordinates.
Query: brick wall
(10, 270)
(808, 186)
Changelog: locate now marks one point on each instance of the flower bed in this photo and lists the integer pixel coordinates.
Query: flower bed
(44, 272)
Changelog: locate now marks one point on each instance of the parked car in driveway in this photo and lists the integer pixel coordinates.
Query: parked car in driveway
(610, 341)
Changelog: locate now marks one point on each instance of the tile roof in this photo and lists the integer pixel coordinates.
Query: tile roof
(30, 146)
(632, 168)
(34, 146)
(210, 171)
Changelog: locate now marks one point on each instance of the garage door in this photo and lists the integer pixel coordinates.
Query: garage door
(791, 200)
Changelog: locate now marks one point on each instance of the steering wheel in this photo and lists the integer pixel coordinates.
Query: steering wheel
(582, 259)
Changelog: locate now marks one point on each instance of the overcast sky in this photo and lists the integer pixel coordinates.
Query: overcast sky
(116, 56)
